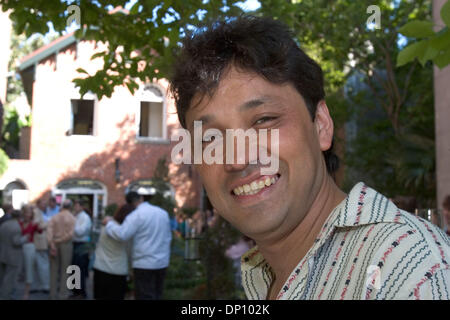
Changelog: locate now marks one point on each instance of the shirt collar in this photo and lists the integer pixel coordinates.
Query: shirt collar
(363, 206)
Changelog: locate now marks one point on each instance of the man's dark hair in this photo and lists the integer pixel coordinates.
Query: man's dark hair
(260, 45)
(15, 214)
(132, 197)
(122, 212)
(67, 204)
(7, 208)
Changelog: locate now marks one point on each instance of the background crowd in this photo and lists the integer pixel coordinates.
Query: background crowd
(40, 242)
(43, 242)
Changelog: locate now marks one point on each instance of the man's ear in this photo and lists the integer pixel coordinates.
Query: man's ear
(324, 126)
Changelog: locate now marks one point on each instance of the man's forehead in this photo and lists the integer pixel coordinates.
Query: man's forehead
(229, 85)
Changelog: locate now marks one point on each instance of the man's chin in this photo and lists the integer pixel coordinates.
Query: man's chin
(256, 220)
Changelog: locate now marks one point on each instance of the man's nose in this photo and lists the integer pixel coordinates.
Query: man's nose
(235, 167)
(241, 156)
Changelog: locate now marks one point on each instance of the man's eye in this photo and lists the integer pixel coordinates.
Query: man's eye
(264, 119)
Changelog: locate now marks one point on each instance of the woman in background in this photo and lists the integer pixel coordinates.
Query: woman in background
(28, 228)
(111, 262)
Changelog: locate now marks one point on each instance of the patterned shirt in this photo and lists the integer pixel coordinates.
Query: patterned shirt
(366, 249)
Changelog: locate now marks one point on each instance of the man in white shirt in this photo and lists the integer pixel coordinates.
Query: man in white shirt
(81, 237)
(149, 227)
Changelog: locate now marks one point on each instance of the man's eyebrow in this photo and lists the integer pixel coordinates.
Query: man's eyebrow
(253, 103)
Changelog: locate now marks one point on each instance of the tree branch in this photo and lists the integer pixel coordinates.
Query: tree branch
(408, 80)
(372, 88)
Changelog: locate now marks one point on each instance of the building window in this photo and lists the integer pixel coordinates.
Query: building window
(150, 124)
(82, 117)
(151, 114)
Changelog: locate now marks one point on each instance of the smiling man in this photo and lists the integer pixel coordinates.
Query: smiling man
(313, 240)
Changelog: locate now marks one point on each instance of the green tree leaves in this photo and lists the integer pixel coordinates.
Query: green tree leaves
(415, 50)
(445, 13)
(152, 28)
(417, 29)
(434, 46)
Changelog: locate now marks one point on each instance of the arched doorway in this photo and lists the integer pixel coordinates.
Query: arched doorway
(16, 193)
(91, 191)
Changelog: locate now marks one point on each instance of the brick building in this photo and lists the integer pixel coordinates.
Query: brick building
(84, 146)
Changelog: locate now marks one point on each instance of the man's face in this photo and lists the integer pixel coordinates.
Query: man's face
(244, 100)
(52, 204)
(77, 207)
(27, 214)
(41, 205)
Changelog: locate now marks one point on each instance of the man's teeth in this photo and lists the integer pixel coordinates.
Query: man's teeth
(255, 186)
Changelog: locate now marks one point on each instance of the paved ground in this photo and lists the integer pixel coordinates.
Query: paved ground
(18, 294)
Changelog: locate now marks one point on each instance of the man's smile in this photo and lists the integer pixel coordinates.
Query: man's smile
(254, 189)
(256, 185)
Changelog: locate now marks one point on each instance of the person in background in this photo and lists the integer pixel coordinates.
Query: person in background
(11, 255)
(7, 209)
(149, 227)
(41, 244)
(28, 228)
(197, 225)
(181, 226)
(235, 253)
(60, 231)
(173, 223)
(80, 256)
(111, 262)
(212, 217)
(446, 214)
(51, 210)
(408, 204)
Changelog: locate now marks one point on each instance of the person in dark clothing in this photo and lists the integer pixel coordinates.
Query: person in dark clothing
(11, 255)
(7, 209)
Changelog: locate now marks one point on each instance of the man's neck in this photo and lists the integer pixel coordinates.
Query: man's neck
(285, 254)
